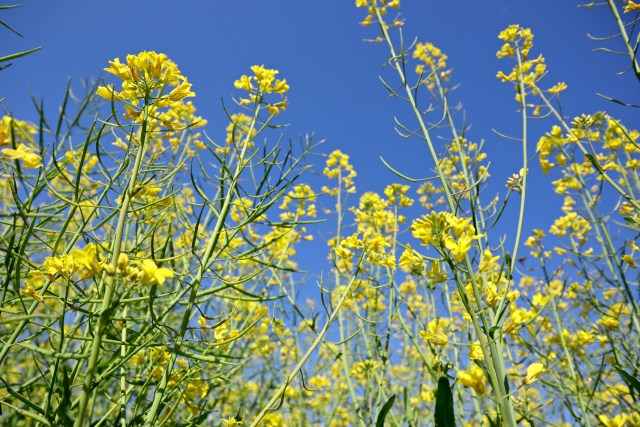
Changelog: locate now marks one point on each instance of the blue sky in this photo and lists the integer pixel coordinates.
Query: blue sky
(335, 91)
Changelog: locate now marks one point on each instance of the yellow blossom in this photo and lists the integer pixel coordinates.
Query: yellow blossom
(631, 7)
(152, 275)
(473, 378)
(488, 260)
(88, 259)
(64, 265)
(475, 352)
(182, 91)
(343, 252)
(436, 273)
(30, 291)
(618, 420)
(533, 372)
(435, 332)
(410, 260)
(558, 88)
(24, 153)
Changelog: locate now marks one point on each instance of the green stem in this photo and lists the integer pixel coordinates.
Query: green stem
(103, 323)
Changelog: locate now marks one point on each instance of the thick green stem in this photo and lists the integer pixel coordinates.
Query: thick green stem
(103, 322)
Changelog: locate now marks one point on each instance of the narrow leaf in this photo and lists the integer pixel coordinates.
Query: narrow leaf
(444, 404)
(635, 383)
(384, 411)
(18, 55)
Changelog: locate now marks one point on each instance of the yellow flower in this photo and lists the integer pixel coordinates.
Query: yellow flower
(31, 292)
(152, 275)
(62, 264)
(107, 93)
(274, 109)
(232, 422)
(389, 261)
(487, 260)
(15, 130)
(629, 260)
(377, 243)
(631, 7)
(473, 378)
(475, 352)
(558, 88)
(342, 252)
(131, 113)
(458, 225)
(24, 153)
(410, 260)
(617, 421)
(352, 242)
(182, 91)
(609, 322)
(203, 322)
(87, 258)
(280, 86)
(460, 248)
(118, 69)
(244, 83)
(436, 273)
(435, 332)
(533, 372)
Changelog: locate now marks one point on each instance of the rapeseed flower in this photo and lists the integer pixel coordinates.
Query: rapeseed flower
(151, 274)
(25, 154)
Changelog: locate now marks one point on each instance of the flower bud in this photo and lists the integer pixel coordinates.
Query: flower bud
(109, 269)
(123, 261)
(133, 273)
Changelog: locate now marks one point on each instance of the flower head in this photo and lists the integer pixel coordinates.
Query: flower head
(533, 372)
(152, 274)
(24, 153)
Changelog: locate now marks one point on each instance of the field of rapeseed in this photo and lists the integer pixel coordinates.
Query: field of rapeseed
(149, 274)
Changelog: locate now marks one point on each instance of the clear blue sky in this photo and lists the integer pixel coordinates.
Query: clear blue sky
(318, 47)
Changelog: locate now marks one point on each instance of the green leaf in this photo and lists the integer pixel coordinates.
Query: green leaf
(444, 404)
(18, 55)
(9, 27)
(240, 414)
(635, 383)
(382, 415)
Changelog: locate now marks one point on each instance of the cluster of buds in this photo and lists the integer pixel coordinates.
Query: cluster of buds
(514, 182)
(123, 269)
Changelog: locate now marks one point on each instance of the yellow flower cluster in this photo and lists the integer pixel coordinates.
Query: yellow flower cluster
(396, 193)
(434, 61)
(372, 246)
(17, 133)
(89, 261)
(266, 81)
(444, 230)
(15, 130)
(304, 197)
(338, 167)
(371, 5)
(411, 261)
(142, 75)
(374, 216)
